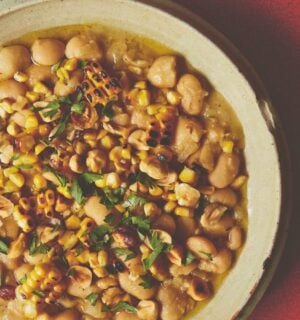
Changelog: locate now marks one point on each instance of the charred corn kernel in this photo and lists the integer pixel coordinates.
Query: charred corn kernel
(44, 130)
(64, 191)
(68, 240)
(7, 106)
(73, 223)
(183, 212)
(156, 191)
(188, 175)
(39, 148)
(32, 96)
(17, 178)
(154, 109)
(108, 142)
(54, 275)
(62, 74)
(170, 206)
(101, 183)
(39, 87)
(101, 134)
(173, 97)
(71, 64)
(84, 256)
(31, 122)
(87, 223)
(120, 208)
(39, 182)
(90, 136)
(41, 201)
(9, 187)
(172, 197)
(133, 93)
(141, 85)
(8, 171)
(93, 260)
(20, 76)
(13, 129)
(143, 98)
(113, 180)
(142, 154)
(102, 258)
(100, 272)
(227, 146)
(151, 209)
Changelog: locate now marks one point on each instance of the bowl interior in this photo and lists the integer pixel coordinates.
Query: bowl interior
(264, 195)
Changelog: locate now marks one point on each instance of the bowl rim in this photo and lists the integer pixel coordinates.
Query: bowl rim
(274, 126)
(268, 112)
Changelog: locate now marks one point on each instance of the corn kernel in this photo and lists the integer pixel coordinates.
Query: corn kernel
(39, 148)
(13, 129)
(39, 182)
(62, 74)
(39, 87)
(172, 197)
(17, 178)
(31, 122)
(102, 258)
(170, 206)
(44, 130)
(227, 146)
(84, 256)
(184, 212)
(73, 223)
(173, 97)
(141, 85)
(143, 98)
(101, 183)
(41, 270)
(188, 175)
(71, 64)
(8, 171)
(120, 208)
(32, 96)
(154, 109)
(108, 142)
(142, 154)
(113, 180)
(145, 251)
(7, 106)
(20, 76)
(156, 191)
(126, 154)
(10, 187)
(151, 209)
(101, 134)
(25, 159)
(64, 191)
(68, 240)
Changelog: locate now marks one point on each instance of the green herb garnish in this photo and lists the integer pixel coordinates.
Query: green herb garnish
(3, 247)
(76, 192)
(24, 166)
(55, 67)
(78, 107)
(99, 236)
(148, 281)
(124, 306)
(107, 110)
(23, 279)
(60, 127)
(124, 252)
(90, 177)
(189, 258)
(143, 178)
(209, 255)
(39, 294)
(61, 179)
(201, 206)
(158, 247)
(35, 247)
(133, 201)
(92, 298)
(15, 156)
(111, 197)
(82, 64)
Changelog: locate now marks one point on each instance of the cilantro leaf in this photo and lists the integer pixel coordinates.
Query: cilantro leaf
(3, 247)
(60, 128)
(133, 200)
(148, 281)
(111, 197)
(124, 252)
(55, 67)
(99, 236)
(107, 110)
(124, 306)
(39, 294)
(15, 156)
(209, 255)
(35, 247)
(92, 298)
(91, 177)
(189, 258)
(23, 279)
(83, 64)
(141, 224)
(78, 107)
(143, 178)
(61, 179)
(76, 192)
(158, 247)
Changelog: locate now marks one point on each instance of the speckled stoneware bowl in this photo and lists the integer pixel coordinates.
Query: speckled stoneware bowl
(227, 71)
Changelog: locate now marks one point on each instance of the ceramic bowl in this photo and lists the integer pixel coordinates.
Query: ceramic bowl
(228, 72)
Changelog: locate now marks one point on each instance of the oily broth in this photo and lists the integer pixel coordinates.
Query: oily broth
(216, 105)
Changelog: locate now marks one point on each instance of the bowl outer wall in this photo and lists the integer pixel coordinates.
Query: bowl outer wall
(230, 74)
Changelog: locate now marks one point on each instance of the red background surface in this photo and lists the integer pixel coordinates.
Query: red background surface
(267, 32)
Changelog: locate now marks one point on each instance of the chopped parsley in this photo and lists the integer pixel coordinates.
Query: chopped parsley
(209, 255)
(133, 201)
(158, 247)
(124, 252)
(39, 294)
(23, 279)
(35, 247)
(83, 64)
(189, 258)
(148, 281)
(111, 197)
(60, 128)
(3, 247)
(91, 177)
(141, 224)
(99, 237)
(143, 178)
(124, 306)
(92, 298)
(107, 110)
(76, 192)
(61, 179)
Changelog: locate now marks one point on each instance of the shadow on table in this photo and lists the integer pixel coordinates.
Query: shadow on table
(274, 53)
